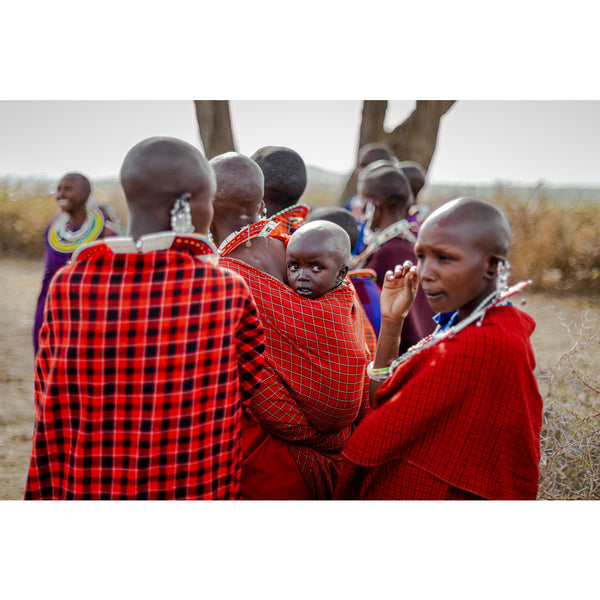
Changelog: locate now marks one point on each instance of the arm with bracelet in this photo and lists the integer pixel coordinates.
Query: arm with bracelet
(397, 297)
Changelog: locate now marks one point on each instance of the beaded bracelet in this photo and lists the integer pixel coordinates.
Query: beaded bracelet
(377, 374)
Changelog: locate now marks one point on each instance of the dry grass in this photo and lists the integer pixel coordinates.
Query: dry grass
(555, 243)
(26, 207)
(570, 465)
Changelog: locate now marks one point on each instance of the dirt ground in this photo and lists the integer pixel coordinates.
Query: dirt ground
(19, 287)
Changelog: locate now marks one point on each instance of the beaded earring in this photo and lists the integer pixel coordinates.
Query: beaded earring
(181, 216)
(504, 269)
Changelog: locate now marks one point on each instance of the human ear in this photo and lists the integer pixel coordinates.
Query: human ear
(341, 274)
(491, 269)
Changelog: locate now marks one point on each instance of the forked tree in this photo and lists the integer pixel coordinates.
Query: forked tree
(413, 139)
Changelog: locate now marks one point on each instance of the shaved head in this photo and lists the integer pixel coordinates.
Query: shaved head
(338, 215)
(240, 184)
(369, 153)
(487, 225)
(158, 170)
(334, 237)
(415, 173)
(386, 181)
(86, 186)
(317, 256)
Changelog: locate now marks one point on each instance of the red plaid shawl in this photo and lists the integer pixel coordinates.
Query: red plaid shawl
(314, 384)
(144, 362)
(461, 418)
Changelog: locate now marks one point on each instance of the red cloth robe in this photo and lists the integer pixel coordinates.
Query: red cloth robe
(461, 419)
(313, 388)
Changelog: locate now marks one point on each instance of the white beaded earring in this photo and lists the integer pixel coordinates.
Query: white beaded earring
(181, 216)
(503, 274)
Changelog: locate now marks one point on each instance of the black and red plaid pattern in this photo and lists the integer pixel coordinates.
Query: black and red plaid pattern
(314, 385)
(461, 418)
(143, 366)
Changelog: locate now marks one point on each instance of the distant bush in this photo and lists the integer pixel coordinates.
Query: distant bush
(26, 208)
(23, 212)
(570, 464)
(555, 243)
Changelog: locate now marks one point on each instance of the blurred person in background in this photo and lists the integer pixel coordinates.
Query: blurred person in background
(75, 224)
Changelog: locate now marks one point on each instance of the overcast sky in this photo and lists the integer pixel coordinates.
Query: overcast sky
(479, 141)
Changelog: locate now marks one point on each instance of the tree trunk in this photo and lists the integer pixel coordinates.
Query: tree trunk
(371, 130)
(414, 139)
(214, 123)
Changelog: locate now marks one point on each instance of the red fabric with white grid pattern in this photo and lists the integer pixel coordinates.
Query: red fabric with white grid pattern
(314, 385)
(143, 365)
(460, 419)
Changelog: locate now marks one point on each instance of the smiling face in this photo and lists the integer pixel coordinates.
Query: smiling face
(456, 270)
(317, 258)
(72, 193)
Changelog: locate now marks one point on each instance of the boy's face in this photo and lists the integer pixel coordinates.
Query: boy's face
(315, 270)
(454, 271)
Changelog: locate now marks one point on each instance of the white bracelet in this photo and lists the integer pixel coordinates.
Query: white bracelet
(377, 374)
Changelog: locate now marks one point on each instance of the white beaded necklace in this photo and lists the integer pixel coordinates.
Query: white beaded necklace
(69, 235)
(400, 228)
(497, 298)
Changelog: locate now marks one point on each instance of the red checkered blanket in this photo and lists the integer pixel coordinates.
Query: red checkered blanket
(314, 385)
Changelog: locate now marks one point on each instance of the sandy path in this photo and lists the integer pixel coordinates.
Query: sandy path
(19, 287)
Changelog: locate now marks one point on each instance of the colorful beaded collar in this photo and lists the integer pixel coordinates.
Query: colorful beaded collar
(65, 240)
(262, 228)
(198, 244)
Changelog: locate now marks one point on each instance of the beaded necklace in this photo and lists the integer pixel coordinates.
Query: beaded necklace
(198, 244)
(400, 228)
(65, 240)
(262, 228)
(292, 216)
(496, 298)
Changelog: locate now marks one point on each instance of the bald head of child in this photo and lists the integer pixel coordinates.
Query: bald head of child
(459, 249)
(318, 255)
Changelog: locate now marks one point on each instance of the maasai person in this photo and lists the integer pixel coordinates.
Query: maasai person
(75, 224)
(363, 280)
(416, 175)
(238, 227)
(459, 415)
(387, 196)
(317, 258)
(295, 428)
(285, 182)
(148, 350)
(367, 154)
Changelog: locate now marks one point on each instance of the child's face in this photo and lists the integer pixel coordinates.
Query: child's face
(454, 271)
(314, 271)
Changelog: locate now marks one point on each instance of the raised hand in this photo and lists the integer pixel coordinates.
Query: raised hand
(398, 292)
